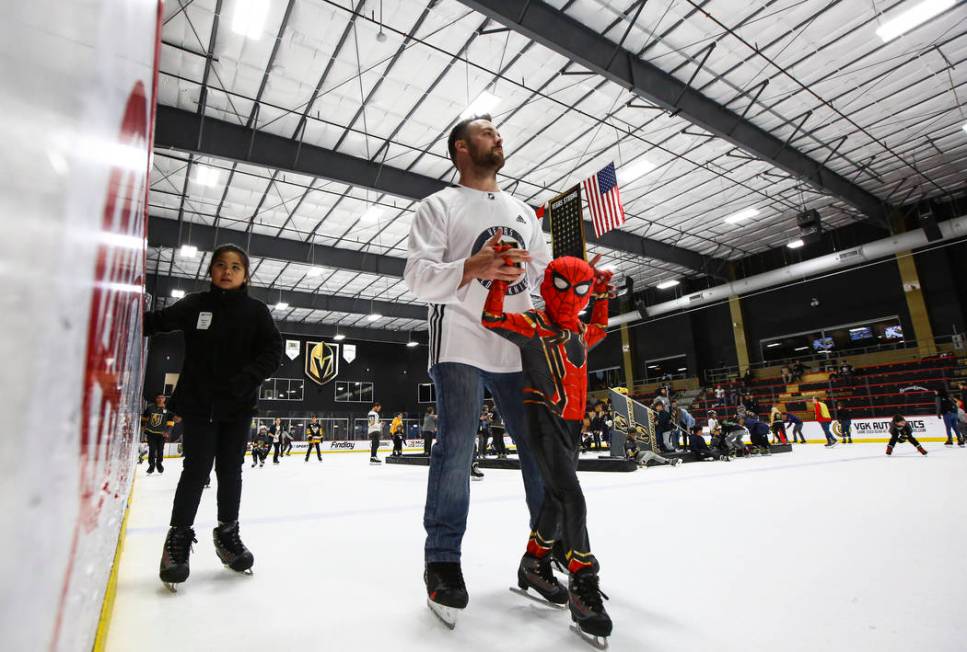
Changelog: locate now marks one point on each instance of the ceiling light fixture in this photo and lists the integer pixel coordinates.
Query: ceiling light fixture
(177, 294)
(664, 285)
(339, 337)
(188, 251)
(372, 214)
(795, 244)
(632, 171)
(801, 348)
(412, 344)
(773, 345)
(314, 272)
(281, 305)
(912, 17)
(373, 316)
(205, 175)
(745, 214)
(485, 103)
(249, 18)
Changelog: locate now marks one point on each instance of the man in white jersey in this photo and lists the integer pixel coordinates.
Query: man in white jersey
(374, 428)
(451, 261)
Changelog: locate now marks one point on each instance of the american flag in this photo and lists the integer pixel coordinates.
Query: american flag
(604, 200)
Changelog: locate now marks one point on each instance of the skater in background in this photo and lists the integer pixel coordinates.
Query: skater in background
(287, 438)
(643, 454)
(900, 431)
(314, 437)
(156, 421)
(483, 429)
(845, 418)
(947, 410)
(261, 444)
(758, 433)
(777, 426)
(375, 429)
(231, 346)
(663, 425)
(823, 418)
(275, 431)
(795, 422)
(497, 432)
(547, 338)
(396, 431)
(429, 429)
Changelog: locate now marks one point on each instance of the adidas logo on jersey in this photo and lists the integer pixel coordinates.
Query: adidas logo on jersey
(521, 220)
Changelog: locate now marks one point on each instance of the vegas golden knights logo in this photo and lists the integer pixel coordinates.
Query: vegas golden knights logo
(322, 361)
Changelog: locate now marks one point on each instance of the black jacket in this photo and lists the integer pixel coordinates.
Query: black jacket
(231, 346)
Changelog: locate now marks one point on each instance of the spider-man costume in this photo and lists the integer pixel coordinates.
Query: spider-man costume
(554, 343)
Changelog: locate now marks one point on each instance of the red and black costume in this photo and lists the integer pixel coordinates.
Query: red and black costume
(554, 345)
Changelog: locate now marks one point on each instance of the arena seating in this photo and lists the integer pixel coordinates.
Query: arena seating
(906, 387)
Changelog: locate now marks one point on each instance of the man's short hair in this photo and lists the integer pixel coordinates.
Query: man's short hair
(459, 132)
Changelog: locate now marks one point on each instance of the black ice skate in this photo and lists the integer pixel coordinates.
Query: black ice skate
(586, 605)
(535, 573)
(174, 556)
(161, 468)
(375, 460)
(231, 550)
(446, 593)
(475, 473)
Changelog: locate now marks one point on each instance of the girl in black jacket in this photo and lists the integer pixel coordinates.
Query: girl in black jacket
(901, 431)
(231, 346)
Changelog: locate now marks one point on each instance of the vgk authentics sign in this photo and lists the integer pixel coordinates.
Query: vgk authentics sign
(322, 361)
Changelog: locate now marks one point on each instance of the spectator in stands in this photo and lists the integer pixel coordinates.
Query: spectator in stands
(786, 374)
(845, 371)
(900, 431)
(758, 432)
(663, 424)
(751, 404)
(663, 397)
(733, 395)
(719, 395)
(798, 369)
(791, 419)
(845, 419)
(698, 445)
(775, 423)
(947, 410)
(747, 377)
(598, 425)
(821, 411)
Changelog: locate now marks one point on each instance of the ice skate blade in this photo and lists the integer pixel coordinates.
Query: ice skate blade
(171, 586)
(597, 642)
(447, 615)
(476, 479)
(538, 599)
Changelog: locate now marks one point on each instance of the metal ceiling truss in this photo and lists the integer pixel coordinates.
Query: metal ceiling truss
(351, 332)
(179, 129)
(161, 285)
(566, 36)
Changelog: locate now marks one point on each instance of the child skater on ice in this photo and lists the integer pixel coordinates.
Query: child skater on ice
(554, 345)
(231, 346)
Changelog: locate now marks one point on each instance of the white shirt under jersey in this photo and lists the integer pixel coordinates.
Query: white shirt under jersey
(373, 424)
(449, 227)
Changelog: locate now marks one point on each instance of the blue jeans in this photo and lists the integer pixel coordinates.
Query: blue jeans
(950, 422)
(459, 395)
(829, 436)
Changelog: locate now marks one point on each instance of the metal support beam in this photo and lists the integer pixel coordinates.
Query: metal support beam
(178, 129)
(569, 38)
(163, 232)
(163, 285)
(351, 332)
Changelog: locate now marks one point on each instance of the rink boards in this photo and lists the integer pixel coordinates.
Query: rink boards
(78, 93)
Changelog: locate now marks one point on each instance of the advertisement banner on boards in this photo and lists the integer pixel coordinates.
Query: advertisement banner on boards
(925, 427)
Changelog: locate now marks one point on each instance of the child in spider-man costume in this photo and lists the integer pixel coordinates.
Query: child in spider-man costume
(554, 345)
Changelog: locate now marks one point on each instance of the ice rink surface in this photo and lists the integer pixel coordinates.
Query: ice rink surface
(842, 549)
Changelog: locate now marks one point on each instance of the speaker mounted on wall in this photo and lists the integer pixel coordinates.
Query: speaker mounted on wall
(810, 226)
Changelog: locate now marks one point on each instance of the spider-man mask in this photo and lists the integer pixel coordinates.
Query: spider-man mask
(566, 290)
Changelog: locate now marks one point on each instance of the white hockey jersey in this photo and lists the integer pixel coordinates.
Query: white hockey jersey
(449, 227)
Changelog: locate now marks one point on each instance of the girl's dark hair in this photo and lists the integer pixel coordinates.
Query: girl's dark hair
(897, 418)
(224, 249)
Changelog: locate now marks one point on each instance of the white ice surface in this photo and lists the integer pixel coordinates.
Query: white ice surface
(842, 549)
